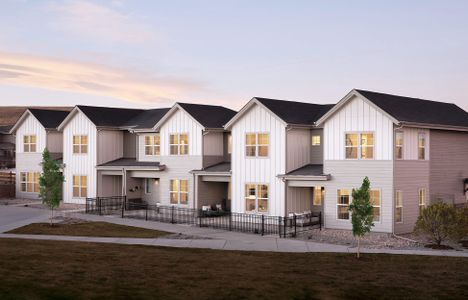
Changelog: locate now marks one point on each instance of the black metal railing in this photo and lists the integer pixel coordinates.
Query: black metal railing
(240, 222)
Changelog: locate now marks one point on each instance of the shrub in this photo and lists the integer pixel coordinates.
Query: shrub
(439, 221)
(461, 230)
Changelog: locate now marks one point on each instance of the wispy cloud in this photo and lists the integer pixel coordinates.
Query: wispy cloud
(97, 21)
(72, 76)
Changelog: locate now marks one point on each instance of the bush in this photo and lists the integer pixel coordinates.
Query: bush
(461, 230)
(439, 221)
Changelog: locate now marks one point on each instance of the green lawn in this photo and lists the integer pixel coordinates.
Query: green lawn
(71, 270)
(98, 229)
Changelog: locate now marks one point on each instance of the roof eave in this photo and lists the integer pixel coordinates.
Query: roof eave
(305, 177)
(433, 126)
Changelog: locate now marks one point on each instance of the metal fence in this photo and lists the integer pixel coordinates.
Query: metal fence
(225, 220)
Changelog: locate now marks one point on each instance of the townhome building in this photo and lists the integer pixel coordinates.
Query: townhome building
(34, 131)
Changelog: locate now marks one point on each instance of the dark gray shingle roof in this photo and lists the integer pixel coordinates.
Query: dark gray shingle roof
(49, 118)
(210, 116)
(147, 118)
(109, 116)
(307, 170)
(221, 167)
(293, 112)
(407, 109)
(130, 162)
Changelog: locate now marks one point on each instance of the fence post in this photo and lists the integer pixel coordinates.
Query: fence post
(123, 207)
(200, 218)
(279, 225)
(230, 221)
(172, 214)
(263, 224)
(98, 200)
(295, 230)
(320, 220)
(146, 213)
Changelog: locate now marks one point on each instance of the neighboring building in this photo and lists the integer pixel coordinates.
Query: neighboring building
(414, 152)
(7, 147)
(35, 130)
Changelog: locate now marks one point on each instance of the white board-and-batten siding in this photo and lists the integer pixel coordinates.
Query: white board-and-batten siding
(79, 164)
(358, 116)
(259, 170)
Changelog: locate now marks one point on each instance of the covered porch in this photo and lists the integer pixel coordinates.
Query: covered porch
(213, 187)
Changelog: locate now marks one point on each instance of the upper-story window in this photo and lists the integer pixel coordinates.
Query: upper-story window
(359, 145)
(178, 144)
(80, 144)
(316, 140)
(421, 145)
(399, 145)
(256, 144)
(29, 142)
(152, 145)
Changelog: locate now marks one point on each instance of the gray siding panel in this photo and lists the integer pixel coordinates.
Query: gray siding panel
(410, 176)
(211, 193)
(316, 152)
(448, 165)
(298, 148)
(129, 144)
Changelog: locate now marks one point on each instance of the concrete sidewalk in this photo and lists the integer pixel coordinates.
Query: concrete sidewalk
(203, 237)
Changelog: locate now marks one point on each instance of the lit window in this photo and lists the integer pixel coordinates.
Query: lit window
(421, 199)
(80, 186)
(178, 144)
(149, 185)
(422, 146)
(359, 145)
(80, 144)
(256, 198)
(29, 143)
(316, 140)
(351, 146)
(399, 145)
(318, 195)
(375, 202)
(256, 144)
(178, 191)
(152, 145)
(398, 206)
(342, 204)
(29, 182)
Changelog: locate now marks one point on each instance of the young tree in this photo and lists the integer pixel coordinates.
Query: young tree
(362, 216)
(440, 221)
(50, 183)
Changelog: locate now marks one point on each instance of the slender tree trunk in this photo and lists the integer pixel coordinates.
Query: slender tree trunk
(358, 246)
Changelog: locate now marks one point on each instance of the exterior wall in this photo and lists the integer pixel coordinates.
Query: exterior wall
(448, 165)
(79, 164)
(299, 199)
(129, 144)
(298, 146)
(410, 176)
(259, 170)
(29, 161)
(109, 185)
(410, 142)
(227, 146)
(316, 152)
(213, 148)
(55, 141)
(109, 145)
(211, 193)
(152, 197)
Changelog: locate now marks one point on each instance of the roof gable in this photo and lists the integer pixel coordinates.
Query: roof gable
(48, 118)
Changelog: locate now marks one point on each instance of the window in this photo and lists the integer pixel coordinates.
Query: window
(399, 145)
(342, 204)
(422, 199)
(256, 144)
(80, 144)
(359, 145)
(256, 198)
(178, 144)
(179, 191)
(399, 206)
(375, 202)
(29, 182)
(318, 195)
(29, 142)
(421, 146)
(316, 140)
(80, 186)
(229, 144)
(152, 145)
(149, 185)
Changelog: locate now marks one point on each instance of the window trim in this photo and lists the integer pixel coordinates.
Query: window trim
(399, 192)
(423, 205)
(80, 144)
(319, 140)
(179, 191)
(402, 146)
(79, 186)
(33, 183)
(256, 145)
(179, 145)
(349, 203)
(153, 146)
(359, 146)
(256, 211)
(422, 133)
(29, 143)
(379, 206)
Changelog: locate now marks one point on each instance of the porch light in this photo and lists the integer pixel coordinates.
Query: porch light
(156, 181)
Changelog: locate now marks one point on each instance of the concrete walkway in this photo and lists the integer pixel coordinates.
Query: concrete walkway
(203, 237)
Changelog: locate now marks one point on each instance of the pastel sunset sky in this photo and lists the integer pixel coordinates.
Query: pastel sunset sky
(153, 53)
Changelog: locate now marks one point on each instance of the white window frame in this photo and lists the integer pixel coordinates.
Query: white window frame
(26, 182)
(79, 186)
(28, 144)
(378, 206)
(178, 144)
(359, 145)
(316, 140)
(257, 145)
(257, 198)
(399, 196)
(421, 200)
(402, 146)
(338, 204)
(80, 144)
(179, 191)
(154, 145)
(424, 135)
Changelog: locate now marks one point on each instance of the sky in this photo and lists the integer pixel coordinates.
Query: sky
(153, 53)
